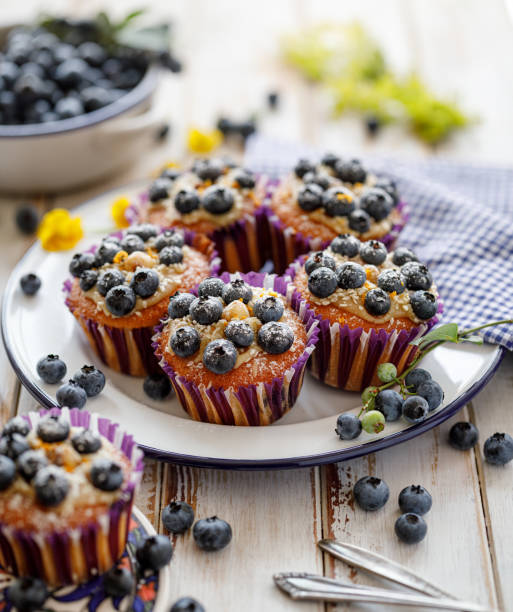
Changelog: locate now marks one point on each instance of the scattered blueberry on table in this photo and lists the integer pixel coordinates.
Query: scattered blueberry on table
(90, 379)
(71, 394)
(498, 449)
(157, 386)
(27, 217)
(178, 516)
(30, 283)
(463, 435)
(415, 499)
(51, 369)
(187, 604)
(410, 528)
(155, 552)
(371, 493)
(212, 534)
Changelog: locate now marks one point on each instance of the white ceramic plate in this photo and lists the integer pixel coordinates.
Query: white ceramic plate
(36, 326)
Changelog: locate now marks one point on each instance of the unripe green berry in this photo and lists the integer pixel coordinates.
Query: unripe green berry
(373, 421)
(368, 394)
(387, 372)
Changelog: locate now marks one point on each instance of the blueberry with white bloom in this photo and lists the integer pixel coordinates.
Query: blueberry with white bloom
(410, 528)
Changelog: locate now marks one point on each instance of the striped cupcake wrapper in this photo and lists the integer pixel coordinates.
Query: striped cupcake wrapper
(71, 556)
(252, 404)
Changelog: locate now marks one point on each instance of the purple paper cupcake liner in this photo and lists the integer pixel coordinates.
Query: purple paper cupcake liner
(252, 404)
(129, 350)
(69, 556)
(286, 244)
(348, 358)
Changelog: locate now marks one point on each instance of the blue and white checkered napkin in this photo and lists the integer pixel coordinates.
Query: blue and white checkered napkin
(461, 225)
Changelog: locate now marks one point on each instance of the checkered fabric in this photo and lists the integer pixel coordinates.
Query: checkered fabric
(461, 226)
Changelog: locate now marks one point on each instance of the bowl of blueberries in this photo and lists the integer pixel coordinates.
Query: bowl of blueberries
(76, 104)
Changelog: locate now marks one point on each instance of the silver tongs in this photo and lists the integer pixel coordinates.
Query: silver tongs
(311, 587)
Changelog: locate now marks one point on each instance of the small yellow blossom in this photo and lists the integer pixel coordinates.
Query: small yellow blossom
(118, 210)
(59, 231)
(203, 142)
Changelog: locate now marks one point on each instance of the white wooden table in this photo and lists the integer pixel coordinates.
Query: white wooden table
(230, 50)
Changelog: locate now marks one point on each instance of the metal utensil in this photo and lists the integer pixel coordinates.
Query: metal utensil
(381, 566)
(303, 586)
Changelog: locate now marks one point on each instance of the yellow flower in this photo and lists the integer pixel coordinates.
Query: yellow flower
(203, 142)
(58, 231)
(118, 210)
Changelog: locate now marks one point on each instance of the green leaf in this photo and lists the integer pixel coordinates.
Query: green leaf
(129, 18)
(156, 38)
(473, 339)
(443, 333)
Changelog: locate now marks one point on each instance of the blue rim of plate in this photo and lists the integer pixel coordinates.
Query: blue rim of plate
(255, 464)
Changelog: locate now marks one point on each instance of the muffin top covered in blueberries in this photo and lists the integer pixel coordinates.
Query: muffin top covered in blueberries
(129, 273)
(229, 326)
(214, 192)
(364, 279)
(340, 194)
(54, 472)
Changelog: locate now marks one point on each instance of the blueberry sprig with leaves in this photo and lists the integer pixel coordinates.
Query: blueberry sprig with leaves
(417, 395)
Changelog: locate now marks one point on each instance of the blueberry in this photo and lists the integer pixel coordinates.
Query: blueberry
(415, 409)
(245, 179)
(106, 475)
(212, 533)
(86, 442)
(157, 386)
(71, 394)
(93, 53)
(359, 221)
(309, 197)
(27, 218)
(318, 260)
(187, 604)
(27, 594)
(350, 275)
(187, 200)
(95, 97)
(268, 308)
(239, 332)
(373, 252)
(88, 280)
(376, 203)
(171, 255)
(17, 425)
(415, 378)
(415, 499)
(350, 171)
(53, 428)
(29, 464)
(145, 231)
(424, 304)
(371, 493)
(338, 202)
(220, 356)
(30, 284)
(237, 290)
(391, 281)
(159, 189)
(69, 73)
(498, 449)
(179, 305)
(155, 552)
(118, 581)
(145, 282)
(120, 300)
(349, 426)
(9, 72)
(90, 379)
(131, 243)
(390, 403)
(403, 255)
(432, 392)
(170, 173)
(302, 167)
(321, 180)
(178, 516)
(372, 124)
(13, 445)
(7, 471)
(330, 160)
(389, 186)
(211, 287)
(185, 341)
(208, 169)
(108, 250)
(109, 279)
(346, 244)
(463, 436)
(410, 528)
(322, 282)
(51, 369)
(218, 199)
(69, 107)
(377, 302)
(416, 275)
(169, 238)
(206, 310)
(275, 337)
(51, 485)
